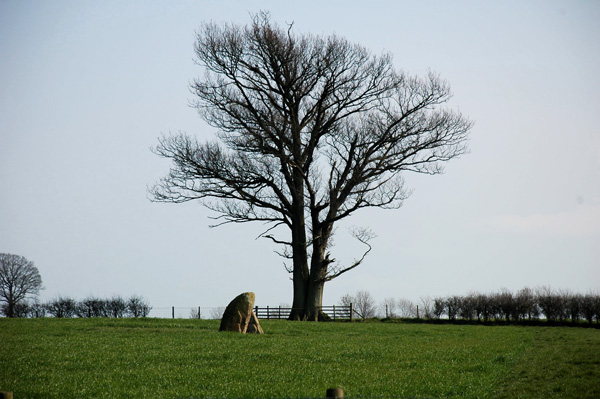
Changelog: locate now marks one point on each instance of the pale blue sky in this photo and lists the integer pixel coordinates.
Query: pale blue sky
(86, 88)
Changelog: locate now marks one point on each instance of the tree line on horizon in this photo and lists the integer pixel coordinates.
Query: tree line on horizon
(21, 282)
(505, 306)
(66, 307)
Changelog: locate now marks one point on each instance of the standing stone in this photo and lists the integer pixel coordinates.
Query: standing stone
(239, 315)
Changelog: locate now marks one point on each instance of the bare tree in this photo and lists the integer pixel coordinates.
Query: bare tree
(439, 307)
(506, 303)
(36, 310)
(93, 307)
(388, 308)
(19, 279)
(116, 306)
(406, 308)
(453, 304)
(347, 300)
(427, 307)
(138, 307)
(196, 313)
(311, 130)
(526, 305)
(62, 307)
(217, 313)
(482, 307)
(363, 303)
(590, 307)
(467, 307)
(550, 303)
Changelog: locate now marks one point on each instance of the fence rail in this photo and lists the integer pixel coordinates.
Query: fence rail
(334, 312)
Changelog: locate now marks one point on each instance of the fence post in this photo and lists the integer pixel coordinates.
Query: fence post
(333, 312)
(335, 393)
(351, 311)
(199, 313)
(172, 312)
(417, 311)
(279, 313)
(268, 313)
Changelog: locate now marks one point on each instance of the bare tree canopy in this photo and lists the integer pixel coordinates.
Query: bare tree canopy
(19, 278)
(311, 129)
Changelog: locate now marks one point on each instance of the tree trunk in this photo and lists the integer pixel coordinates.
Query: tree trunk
(300, 272)
(309, 287)
(314, 301)
(318, 273)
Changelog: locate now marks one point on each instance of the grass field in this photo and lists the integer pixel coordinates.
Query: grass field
(153, 358)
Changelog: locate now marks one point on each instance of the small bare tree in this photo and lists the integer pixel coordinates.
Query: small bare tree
(138, 307)
(427, 307)
(363, 303)
(196, 313)
(526, 306)
(406, 308)
(19, 279)
(453, 304)
(312, 129)
(468, 306)
(116, 306)
(388, 308)
(590, 307)
(62, 307)
(217, 313)
(439, 307)
(93, 307)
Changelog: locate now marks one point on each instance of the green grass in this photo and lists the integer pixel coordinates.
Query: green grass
(129, 358)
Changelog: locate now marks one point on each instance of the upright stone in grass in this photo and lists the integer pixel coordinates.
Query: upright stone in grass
(239, 316)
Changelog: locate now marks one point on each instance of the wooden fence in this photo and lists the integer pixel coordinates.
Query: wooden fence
(335, 312)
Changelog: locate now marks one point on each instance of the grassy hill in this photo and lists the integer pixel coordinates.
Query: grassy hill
(157, 358)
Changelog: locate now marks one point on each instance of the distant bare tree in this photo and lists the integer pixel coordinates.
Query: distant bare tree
(467, 307)
(62, 307)
(483, 307)
(217, 313)
(574, 306)
(116, 307)
(19, 279)
(426, 307)
(21, 309)
(590, 307)
(506, 304)
(93, 307)
(347, 300)
(363, 303)
(311, 129)
(439, 307)
(406, 308)
(138, 307)
(453, 304)
(550, 303)
(526, 305)
(36, 310)
(388, 307)
(196, 313)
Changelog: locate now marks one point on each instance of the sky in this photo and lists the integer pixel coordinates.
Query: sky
(87, 87)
